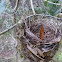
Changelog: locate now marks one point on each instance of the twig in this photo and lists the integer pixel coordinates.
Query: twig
(26, 18)
(16, 6)
(52, 3)
(32, 6)
(7, 29)
(43, 15)
(34, 51)
(32, 36)
(10, 27)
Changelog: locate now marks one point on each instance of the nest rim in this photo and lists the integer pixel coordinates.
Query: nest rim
(44, 16)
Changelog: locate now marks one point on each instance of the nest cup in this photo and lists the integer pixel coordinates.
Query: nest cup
(34, 49)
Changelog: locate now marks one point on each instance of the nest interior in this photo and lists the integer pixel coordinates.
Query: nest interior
(35, 29)
(50, 31)
(44, 49)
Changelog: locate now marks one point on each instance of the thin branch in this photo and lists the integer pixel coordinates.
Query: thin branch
(7, 29)
(26, 18)
(52, 3)
(43, 15)
(32, 6)
(15, 9)
(10, 27)
(32, 36)
(16, 6)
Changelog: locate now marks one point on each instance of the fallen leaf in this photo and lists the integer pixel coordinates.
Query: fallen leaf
(42, 33)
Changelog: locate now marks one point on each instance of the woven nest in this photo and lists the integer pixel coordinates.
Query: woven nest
(35, 48)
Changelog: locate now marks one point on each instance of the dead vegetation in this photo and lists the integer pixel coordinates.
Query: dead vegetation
(33, 47)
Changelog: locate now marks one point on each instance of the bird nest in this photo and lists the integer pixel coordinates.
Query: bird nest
(41, 37)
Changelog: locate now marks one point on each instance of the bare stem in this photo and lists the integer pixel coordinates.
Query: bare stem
(16, 6)
(20, 22)
(32, 6)
(52, 3)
